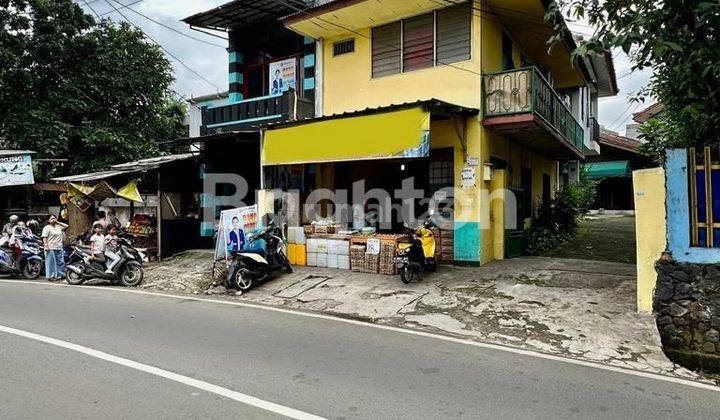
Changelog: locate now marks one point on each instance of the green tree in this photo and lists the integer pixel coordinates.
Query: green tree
(679, 40)
(73, 87)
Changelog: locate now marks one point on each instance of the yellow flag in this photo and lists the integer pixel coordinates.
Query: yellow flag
(130, 192)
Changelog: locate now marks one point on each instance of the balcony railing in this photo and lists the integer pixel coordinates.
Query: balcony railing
(525, 91)
(255, 112)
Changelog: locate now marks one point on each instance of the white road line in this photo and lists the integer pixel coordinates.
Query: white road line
(524, 352)
(185, 380)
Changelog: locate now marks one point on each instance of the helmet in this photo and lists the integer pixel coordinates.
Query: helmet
(14, 218)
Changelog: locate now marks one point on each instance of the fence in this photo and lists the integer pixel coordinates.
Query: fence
(704, 178)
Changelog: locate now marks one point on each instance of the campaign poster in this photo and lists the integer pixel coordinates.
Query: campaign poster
(16, 170)
(235, 225)
(282, 76)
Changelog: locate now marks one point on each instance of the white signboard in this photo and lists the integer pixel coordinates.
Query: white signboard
(16, 170)
(373, 247)
(235, 224)
(282, 76)
(467, 177)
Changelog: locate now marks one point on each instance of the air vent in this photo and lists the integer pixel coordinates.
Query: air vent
(344, 47)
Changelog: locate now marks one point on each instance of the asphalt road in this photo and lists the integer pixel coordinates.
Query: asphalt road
(317, 366)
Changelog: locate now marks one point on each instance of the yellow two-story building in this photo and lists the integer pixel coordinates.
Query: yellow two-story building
(463, 97)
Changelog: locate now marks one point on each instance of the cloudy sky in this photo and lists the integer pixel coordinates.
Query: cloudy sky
(210, 61)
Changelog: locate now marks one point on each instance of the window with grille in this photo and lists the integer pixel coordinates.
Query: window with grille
(432, 39)
(344, 47)
(704, 178)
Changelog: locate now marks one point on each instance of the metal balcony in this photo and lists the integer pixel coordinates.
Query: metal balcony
(255, 112)
(520, 104)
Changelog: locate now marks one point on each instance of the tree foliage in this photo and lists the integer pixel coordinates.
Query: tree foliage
(679, 39)
(73, 87)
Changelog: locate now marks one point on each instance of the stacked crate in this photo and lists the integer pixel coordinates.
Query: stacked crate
(357, 257)
(387, 258)
(447, 246)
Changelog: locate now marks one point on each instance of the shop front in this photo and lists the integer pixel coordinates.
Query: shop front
(357, 180)
(157, 201)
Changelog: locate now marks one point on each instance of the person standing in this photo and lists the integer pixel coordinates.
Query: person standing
(112, 219)
(52, 236)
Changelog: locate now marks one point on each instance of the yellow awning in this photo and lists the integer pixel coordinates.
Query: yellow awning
(393, 134)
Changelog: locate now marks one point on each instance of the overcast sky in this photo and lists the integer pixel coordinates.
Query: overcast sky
(210, 61)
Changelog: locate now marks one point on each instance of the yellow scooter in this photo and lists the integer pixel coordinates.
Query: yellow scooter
(417, 256)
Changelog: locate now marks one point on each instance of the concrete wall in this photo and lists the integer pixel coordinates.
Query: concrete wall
(650, 231)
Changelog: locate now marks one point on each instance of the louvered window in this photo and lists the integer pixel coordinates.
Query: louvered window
(432, 39)
(386, 57)
(418, 42)
(344, 47)
(453, 34)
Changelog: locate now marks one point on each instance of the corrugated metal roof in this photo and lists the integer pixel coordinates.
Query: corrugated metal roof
(434, 105)
(239, 13)
(126, 168)
(7, 152)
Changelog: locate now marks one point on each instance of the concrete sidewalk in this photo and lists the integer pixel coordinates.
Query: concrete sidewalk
(576, 308)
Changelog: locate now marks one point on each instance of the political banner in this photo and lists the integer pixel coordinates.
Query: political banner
(16, 170)
(282, 76)
(235, 225)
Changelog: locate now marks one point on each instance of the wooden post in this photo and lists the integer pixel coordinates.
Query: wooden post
(158, 229)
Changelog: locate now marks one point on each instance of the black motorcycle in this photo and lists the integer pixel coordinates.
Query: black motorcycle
(248, 268)
(418, 255)
(128, 271)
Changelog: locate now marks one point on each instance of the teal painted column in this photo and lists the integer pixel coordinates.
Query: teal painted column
(236, 79)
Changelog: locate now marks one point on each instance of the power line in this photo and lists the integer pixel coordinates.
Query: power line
(162, 48)
(623, 117)
(168, 27)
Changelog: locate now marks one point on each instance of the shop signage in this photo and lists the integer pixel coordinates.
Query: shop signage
(235, 225)
(282, 76)
(16, 170)
(473, 161)
(467, 177)
(372, 247)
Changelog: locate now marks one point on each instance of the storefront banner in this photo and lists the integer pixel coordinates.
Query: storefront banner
(235, 225)
(282, 76)
(403, 133)
(16, 170)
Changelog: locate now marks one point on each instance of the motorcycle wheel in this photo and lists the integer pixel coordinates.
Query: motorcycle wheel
(73, 278)
(242, 281)
(32, 269)
(406, 274)
(132, 274)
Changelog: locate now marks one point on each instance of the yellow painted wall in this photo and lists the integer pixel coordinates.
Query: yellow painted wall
(650, 231)
(348, 86)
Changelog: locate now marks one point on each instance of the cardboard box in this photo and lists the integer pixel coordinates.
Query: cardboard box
(322, 246)
(312, 245)
(322, 260)
(343, 262)
(332, 261)
(343, 247)
(312, 259)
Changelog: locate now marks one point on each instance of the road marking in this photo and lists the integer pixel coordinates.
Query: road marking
(186, 380)
(500, 347)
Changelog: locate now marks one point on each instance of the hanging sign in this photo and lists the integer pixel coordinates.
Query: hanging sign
(16, 170)
(282, 76)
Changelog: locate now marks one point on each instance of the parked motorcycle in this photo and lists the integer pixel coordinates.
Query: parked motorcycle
(128, 271)
(24, 257)
(252, 267)
(417, 256)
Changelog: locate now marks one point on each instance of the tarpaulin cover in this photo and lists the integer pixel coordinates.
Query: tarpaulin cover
(611, 169)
